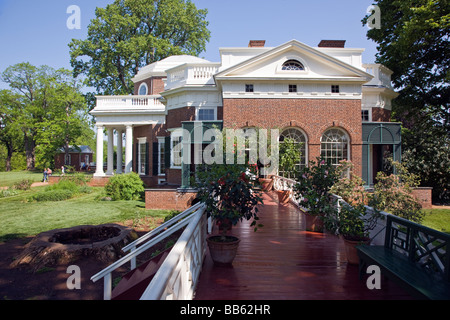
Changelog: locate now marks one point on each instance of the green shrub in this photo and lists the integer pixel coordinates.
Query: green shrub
(78, 178)
(8, 192)
(125, 187)
(64, 185)
(23, 185)
(52, 195)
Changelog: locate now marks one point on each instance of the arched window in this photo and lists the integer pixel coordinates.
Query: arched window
(293, 65)
(334, 146)
(300, 139)
(143, 90)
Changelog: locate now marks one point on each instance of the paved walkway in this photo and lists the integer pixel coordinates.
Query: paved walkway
(281, 261)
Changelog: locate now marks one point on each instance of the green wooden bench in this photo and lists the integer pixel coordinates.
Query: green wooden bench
(415, 256)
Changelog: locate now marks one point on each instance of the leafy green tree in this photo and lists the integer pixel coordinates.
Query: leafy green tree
(48, 108)
(413, 42)
(130, 34)
(10, 133)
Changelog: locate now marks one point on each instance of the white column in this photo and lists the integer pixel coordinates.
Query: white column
(110, 167)
(119, 151)
(129, 149)
(99, 153)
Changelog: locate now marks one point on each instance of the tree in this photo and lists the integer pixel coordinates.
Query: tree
(47, 107)
(10, 133)
(130, 34)
(413, 42)
(66, 120)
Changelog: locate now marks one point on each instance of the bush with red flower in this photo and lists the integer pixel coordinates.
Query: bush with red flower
(229, 192)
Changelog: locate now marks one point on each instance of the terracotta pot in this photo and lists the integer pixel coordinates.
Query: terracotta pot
(223, 252)
(313, 223)
(283, 196)
(350, 249)
(266, 183)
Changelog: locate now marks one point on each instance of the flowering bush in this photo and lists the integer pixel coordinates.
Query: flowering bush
(229, 194)
(313, 187)
(394, 193)
(349, 186)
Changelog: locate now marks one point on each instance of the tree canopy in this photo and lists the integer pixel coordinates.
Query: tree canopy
(44, 110)
(130, 34)
(413, 41)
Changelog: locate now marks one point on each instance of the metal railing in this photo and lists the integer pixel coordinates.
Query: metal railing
(147, 241)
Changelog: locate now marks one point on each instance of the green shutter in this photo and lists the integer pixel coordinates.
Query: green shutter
(155, 158)
(167, 152)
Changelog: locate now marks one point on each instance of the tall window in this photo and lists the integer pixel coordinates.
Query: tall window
(161, 159)
(293, 65)
(334, 146)
(300, 139)
(176, 150)
(142, 157)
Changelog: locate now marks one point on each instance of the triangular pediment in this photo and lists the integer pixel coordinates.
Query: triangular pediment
(318, 66)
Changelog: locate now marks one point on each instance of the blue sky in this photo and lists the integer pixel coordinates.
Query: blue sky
(36, 31)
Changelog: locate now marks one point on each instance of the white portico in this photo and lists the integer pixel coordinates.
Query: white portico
(118, 115)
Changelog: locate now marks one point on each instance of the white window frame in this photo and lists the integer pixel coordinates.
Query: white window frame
(141, 141)
(369, 110)
(174, 148)
(197, 116)
(331, 146)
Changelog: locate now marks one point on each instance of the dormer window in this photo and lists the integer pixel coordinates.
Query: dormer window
(292, 65)
(143, 89)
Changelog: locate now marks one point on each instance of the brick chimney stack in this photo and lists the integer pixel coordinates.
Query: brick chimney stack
(256, 43)
(332, 44)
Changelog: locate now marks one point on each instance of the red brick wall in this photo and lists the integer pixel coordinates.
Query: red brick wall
(424, 197)
(155, 85)
(379, 114)
(168, 199)
(176, 116)
(151, 132)
(313, 116)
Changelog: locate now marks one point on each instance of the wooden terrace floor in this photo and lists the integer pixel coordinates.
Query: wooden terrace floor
(282, 261)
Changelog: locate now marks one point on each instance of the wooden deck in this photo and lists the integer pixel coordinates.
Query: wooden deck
(281, 261)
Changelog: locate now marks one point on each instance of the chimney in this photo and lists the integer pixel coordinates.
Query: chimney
(332, 44)
(256, 43)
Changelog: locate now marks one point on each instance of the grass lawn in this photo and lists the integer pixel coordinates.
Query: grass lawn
(438, 219)
(19, 218)
(7, 179)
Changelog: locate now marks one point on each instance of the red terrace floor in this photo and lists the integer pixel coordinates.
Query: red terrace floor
(281, 261)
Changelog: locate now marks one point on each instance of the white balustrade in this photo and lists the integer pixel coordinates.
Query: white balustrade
(185, 258)
(129, 102)
(191, 74)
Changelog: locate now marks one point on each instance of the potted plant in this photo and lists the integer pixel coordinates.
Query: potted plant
(289, 157)
(230, 197)
(354, 223)
(313, 193)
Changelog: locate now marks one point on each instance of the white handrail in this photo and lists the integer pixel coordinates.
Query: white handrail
(177, 277)
(106, 273)
(147, 236)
